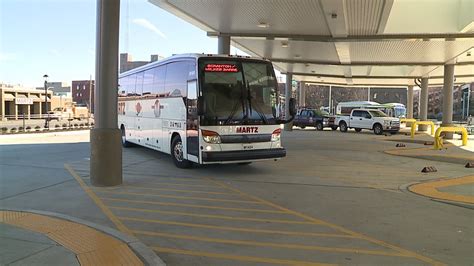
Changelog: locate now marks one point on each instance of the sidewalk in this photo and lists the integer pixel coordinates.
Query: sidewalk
(460, 190)
(34, 239)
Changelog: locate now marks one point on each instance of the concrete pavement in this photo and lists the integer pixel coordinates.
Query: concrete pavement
(334, 199)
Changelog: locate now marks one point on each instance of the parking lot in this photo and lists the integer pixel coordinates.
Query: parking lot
(328, 202)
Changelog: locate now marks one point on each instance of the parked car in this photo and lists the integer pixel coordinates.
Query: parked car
(314, 118)
(370, 119)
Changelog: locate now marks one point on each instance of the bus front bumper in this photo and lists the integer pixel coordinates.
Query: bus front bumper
(247, 155)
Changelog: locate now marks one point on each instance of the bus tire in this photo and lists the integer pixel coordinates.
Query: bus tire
(125, 143)
(177, 153)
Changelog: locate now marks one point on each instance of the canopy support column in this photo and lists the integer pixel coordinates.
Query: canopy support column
(106, 149)
(289, 78)
(448, 98)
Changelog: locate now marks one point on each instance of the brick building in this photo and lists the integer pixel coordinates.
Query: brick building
(83, 93)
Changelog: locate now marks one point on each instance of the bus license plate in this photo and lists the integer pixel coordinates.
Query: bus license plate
(248, 147)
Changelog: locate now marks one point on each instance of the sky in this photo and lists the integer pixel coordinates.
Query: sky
(57, 38)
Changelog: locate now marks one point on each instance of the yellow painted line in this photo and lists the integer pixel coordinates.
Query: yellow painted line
(407, 154)
(90, 246)
(179, 197)
(179, 184)
(98, 202)
(334, 226)
(182, 190)
(430, 189)
(238, 229)
(237, 257)
(224, 217)
(192, 205)
(270, 244)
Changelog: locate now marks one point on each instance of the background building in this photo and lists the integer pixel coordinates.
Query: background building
(83, 93)
(127, 63)
(58, 88)
(16, 101)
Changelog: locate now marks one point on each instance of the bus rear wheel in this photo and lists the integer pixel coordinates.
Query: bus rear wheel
(125, 143)
(177, 153)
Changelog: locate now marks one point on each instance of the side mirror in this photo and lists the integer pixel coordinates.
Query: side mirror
(292, 106)
(201, 107)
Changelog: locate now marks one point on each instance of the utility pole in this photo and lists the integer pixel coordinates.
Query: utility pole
(46, 122)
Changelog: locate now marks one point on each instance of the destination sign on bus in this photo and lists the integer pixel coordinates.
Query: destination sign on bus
(221, 68)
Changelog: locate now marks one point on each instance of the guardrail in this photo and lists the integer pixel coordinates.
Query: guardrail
(416, 123)
(438, 143)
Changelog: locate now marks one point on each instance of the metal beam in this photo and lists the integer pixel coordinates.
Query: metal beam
(349, 38)
(337, 63)
(373, 77)
(372, 85)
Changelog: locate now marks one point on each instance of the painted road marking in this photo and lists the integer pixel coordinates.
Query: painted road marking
(430, 189)
(399, 252)
(90, 246)
(179, 184)
(269, 244)
(182, 190)
(337, 227)
(237, 257)
(236, 218)
(177, 197)
(228, 228)
(98, 202)
(193, 205)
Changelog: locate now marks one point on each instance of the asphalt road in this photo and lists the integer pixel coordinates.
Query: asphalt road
(338, 193)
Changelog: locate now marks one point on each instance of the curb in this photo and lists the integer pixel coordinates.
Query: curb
(147, 256)
(405, 188)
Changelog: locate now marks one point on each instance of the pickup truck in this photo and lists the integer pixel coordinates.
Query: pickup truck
(74, 112)
(371, 119)
(314, 118)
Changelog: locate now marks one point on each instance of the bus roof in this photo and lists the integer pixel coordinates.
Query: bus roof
(195, 56)
(359, 103)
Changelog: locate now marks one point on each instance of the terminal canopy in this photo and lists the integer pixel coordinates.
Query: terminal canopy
(345, 42)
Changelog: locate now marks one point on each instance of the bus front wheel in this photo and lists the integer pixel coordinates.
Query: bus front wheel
(177, 153)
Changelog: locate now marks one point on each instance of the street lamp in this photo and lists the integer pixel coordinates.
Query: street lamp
(46, 125)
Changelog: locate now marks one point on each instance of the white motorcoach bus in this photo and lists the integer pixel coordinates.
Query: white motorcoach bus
(203, 109)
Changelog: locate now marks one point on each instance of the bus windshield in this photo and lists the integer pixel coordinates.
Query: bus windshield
(237, 92)
(400, 111)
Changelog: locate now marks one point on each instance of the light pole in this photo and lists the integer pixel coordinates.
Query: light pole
(46, 125)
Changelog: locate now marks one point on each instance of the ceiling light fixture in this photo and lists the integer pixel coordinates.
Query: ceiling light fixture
(263, 25)
(284, 44)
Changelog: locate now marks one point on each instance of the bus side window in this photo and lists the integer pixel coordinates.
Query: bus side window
(130, 85)
(176, 79)
(148, 82)
(158, 87)
(139, 84)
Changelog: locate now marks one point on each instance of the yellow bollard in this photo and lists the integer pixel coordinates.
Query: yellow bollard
(438, 143)
(413, 127)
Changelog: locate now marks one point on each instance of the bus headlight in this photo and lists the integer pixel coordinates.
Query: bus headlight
(211, 136)
(276, 134)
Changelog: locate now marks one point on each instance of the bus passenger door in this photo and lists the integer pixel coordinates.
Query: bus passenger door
(192, 122)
